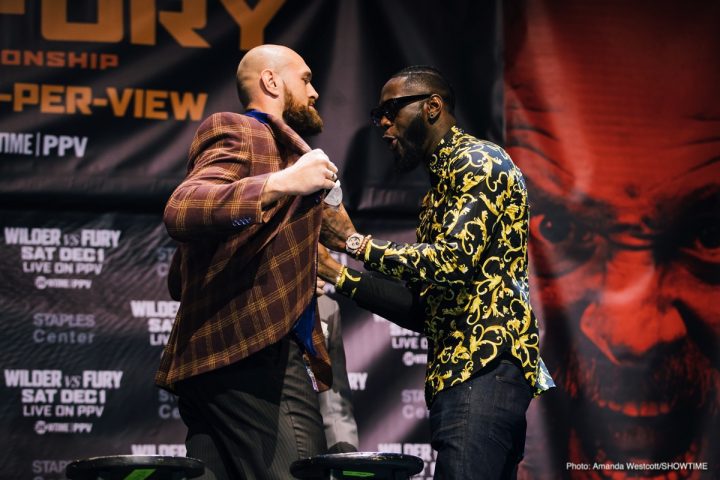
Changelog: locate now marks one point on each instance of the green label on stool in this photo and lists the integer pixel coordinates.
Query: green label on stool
(140, 474)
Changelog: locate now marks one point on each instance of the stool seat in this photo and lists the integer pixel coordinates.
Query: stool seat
(354, 465)
(136, 467)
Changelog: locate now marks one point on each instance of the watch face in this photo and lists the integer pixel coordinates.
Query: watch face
(354, 241)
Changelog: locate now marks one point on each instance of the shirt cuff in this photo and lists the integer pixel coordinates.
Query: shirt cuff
(348, 282)
(374, 251)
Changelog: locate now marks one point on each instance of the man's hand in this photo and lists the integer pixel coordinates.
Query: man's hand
(312, 172)
(328, 268)
(336, 228)
(319, 287)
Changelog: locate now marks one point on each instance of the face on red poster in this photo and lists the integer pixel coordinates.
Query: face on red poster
(613, 114)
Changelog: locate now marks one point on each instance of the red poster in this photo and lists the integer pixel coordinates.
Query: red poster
(613, 114)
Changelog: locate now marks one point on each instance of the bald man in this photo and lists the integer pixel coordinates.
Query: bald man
(246, 355)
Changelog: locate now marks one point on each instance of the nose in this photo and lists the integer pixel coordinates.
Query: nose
(312, 93)
(631, 314)
(385, 123)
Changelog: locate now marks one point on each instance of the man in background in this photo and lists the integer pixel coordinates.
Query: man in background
(336, 405)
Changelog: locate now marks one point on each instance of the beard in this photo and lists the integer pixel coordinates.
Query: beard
(409, 153)
(301, 118)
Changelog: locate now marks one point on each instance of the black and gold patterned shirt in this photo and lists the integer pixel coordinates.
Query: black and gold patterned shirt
(470, 265)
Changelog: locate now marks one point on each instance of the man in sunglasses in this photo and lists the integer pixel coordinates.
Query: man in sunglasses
(464, 284)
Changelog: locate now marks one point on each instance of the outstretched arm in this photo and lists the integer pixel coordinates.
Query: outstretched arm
(387, 297)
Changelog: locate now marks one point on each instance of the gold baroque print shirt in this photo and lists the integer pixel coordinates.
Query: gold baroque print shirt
(470, 265)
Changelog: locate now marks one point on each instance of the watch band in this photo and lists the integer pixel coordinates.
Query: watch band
(363, 246)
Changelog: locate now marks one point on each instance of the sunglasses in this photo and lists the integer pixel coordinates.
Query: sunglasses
(390, 108)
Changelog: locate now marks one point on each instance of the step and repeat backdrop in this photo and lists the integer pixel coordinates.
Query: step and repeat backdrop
(86, 314)
(609, 108)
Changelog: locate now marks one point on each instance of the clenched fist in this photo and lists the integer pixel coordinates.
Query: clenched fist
(312, 172)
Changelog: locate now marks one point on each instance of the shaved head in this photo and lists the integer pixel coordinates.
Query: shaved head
(276, 80)
(263, 57)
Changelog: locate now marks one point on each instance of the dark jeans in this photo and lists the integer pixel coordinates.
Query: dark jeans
(252, 419)
(478, 427)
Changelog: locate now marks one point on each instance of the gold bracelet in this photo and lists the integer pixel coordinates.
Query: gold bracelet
(362, 247)
(340, 276)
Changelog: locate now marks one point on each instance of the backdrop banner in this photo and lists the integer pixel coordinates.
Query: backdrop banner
(610, 109)
(613, 114)
(99, 101)
(86, 314)
(101, 98)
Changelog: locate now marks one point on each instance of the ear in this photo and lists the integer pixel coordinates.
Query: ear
(271, 82)
(433, 107)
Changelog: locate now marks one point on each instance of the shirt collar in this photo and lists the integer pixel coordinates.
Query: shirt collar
(443, 151)
(261, 117)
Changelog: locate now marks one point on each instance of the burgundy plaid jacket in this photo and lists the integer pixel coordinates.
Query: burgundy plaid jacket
(245, 275)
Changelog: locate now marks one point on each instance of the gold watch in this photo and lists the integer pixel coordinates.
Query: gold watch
(353, 243)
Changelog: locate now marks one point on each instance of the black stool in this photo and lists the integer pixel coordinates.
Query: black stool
(135, 467)
(355, 465)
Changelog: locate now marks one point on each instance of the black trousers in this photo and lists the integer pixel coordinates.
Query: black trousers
(252, 419)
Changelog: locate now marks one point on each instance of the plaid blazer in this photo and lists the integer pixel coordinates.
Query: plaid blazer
(245, 274)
